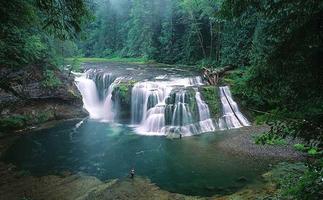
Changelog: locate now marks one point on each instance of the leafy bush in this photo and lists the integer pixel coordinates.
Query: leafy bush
(300, 147)
(270, 139)
(310, 131)
(312, 151)
(300, 181)
(12, 122)
(122, 92)
(51, 80)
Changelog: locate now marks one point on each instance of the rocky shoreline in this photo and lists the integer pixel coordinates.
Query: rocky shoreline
(243, 143)
(29, 97)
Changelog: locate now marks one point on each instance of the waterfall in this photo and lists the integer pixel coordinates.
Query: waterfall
(156, 117)
(162, 106)
(182, 115)
(146, 95)
(155, 121)
(96, 89)
(206, 123)
(90, 96)
(232, 117)
(109, 107)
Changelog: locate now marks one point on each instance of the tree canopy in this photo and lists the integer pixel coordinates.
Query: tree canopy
(28, 28)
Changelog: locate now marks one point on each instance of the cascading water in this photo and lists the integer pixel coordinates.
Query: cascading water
(109, 107)
(158, 107)
(206, 123)
(90, 96)
(232, 117)
(96, 89)
(182, 114)
(149, 106)
(146, 95)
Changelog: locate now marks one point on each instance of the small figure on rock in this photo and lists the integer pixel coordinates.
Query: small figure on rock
(132, 173)
(180, 136)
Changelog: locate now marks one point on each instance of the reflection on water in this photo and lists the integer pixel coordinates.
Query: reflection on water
(193, 165)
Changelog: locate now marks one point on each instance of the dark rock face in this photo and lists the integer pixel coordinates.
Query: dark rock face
(23, 93)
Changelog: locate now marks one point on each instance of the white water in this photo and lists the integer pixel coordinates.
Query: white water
(146, 95)
(109, 110)
(150, 112)
(206, 123)
(232, 117)
(98, 109)
(148, 105)
(90, 96)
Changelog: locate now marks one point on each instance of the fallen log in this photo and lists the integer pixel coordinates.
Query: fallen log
(213, 75)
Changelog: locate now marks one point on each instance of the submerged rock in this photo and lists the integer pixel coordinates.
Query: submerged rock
(242, 179)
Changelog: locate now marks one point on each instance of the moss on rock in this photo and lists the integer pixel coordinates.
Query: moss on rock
(122, 95)
(13, 122)
(212, 98)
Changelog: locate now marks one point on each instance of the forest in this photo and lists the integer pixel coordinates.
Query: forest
(272, 47)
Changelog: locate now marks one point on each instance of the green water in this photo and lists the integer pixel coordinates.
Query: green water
(192, 165)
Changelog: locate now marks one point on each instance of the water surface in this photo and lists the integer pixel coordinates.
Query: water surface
(192, 165)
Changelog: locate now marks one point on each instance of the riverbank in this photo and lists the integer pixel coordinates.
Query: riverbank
(244, 143)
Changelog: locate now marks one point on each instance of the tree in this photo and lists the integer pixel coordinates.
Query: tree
(24, 26)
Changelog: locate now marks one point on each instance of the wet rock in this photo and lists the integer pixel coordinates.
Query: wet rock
(26, 100)
(210, 188)
(242, 179)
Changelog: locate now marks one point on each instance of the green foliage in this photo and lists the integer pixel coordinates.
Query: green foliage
(297, 128)
(167, 31)
(25, 24)
(13, 122)
(63, 18)
(284, 62)
(270, 139)
(123, 92)
(299, 181)
(50, 79)
(20, 121)
(312, 151)
(75, 65)
(207, 63)
(42, 117)
(211, 97)
(237, 38)
(111, 59)
(300, 147)
(248, 98)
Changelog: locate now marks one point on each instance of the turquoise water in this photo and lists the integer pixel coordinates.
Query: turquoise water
(192, 165)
